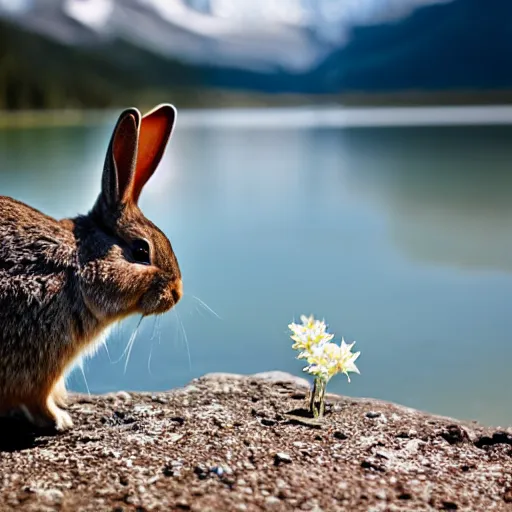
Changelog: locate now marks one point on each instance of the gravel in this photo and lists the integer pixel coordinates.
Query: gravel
(243, 443)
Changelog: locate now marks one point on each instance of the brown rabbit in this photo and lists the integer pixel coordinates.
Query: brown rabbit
(62, 283)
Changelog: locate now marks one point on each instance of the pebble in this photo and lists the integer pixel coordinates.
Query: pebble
(130, 500)
(53, 496)
(272, 500)
(190, 389)
(201, 472)
(282, 457)
(375, 415)
(123, 395)
(183, 504)
(311, 505)
(284, 494)
(380, 494)
(221, 470)
(281, 484)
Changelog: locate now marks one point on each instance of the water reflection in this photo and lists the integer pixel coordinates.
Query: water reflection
(441, 208)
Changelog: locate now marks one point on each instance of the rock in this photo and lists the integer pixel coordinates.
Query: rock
(507, 496)
(201, 472)
(282, 457)
(454, 434)
(413, 446)
(50, 496)
(380, 494)
(221, 471)
(277, 376)
(231, 442)
(272, 500)
(123, 395)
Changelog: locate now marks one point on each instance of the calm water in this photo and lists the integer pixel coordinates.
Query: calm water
(400, 237)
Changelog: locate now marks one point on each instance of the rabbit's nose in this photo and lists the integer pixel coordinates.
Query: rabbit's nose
(177, 292)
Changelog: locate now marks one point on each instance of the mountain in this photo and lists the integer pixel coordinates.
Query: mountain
(101, 53)
(452, 46)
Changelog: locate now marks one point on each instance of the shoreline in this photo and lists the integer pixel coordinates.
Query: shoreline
(284, 117)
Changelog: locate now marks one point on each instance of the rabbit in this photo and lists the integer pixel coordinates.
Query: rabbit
(63, 283)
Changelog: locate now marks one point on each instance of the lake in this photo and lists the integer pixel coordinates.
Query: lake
(400, 236)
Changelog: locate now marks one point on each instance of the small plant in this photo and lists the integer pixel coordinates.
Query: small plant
(325, 359)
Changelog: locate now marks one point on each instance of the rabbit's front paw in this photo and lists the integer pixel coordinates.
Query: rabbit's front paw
(59, 394)
(62, 420)
(49, 416)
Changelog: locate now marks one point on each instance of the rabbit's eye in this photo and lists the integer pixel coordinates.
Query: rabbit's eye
(140, 250)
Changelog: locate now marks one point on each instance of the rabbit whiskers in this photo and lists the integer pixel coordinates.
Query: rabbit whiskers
(205, 306)
(156, 329)
(185, 337)
(81, 366)
(128, 349)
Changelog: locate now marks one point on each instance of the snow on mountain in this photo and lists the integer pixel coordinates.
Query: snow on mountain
(293, 36)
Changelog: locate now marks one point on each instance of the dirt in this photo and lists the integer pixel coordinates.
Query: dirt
(227, 442)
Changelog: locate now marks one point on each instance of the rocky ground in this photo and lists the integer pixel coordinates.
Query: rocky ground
(227, 442)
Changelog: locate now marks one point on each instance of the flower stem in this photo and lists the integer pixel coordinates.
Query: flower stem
(312, 399)
(322, 398)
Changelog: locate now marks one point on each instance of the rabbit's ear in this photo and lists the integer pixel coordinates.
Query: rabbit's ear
(155, 130)
(121, 159)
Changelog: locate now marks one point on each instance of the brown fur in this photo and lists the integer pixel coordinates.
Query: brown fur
(63, 282)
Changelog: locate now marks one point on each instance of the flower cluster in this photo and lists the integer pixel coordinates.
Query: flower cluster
(309, 335)
(325, 359)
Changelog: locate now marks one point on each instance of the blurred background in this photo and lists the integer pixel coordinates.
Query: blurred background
(345, 158)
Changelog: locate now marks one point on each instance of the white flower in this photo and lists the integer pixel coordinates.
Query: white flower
(328, 359)
(311, 333)
(348, 358)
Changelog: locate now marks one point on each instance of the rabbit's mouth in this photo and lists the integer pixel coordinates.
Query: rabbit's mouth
(164, 298)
